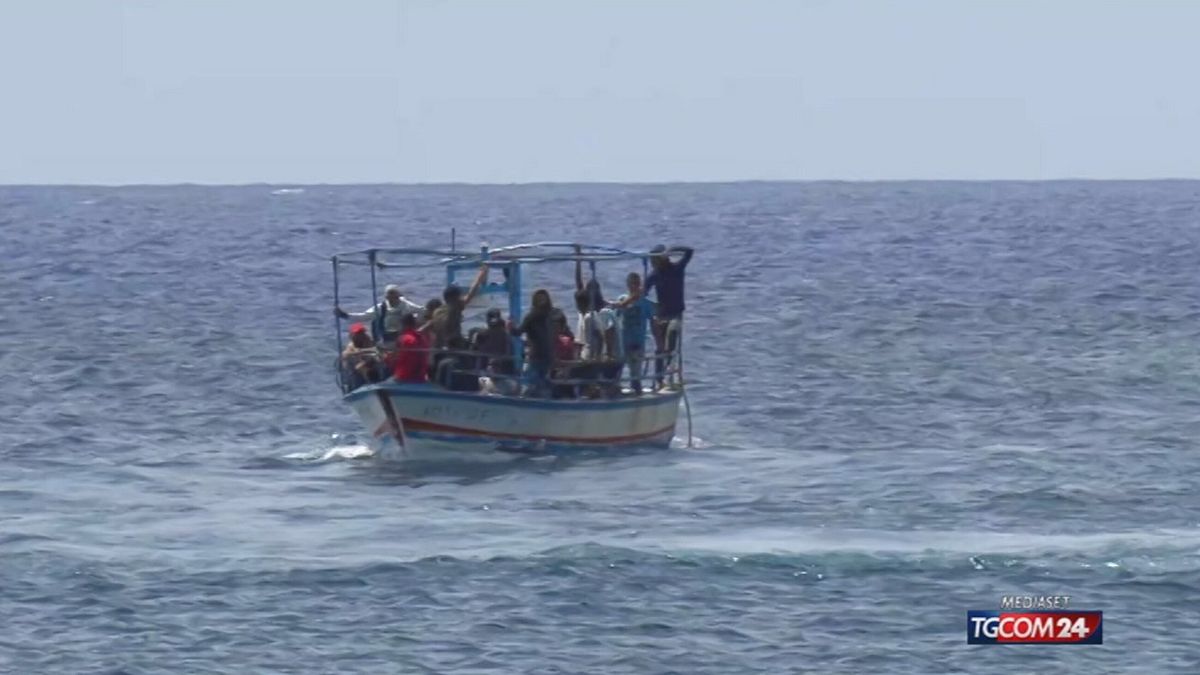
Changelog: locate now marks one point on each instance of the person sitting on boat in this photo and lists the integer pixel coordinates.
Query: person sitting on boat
(384, 318)
(411, 363)
(493, 347)
(538, 329)
(636, 312)
(360, 359)
(667, 282)
(455, 368)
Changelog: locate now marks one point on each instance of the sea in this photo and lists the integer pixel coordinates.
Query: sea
(909, 399)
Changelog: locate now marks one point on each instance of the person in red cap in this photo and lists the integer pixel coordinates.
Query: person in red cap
(412, 352)
(360, 359)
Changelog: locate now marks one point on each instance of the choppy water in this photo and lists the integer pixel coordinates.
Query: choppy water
(910, 399)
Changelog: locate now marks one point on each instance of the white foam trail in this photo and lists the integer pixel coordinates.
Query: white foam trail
(815, 541)
(339, 452)
(287, 191)
(1009, 448)
(348, 452)
(680, 442)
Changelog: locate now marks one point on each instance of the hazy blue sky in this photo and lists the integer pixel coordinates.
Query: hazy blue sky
(231, 91)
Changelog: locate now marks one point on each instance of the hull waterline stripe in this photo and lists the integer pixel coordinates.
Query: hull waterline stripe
(427, 391)
(432, 427)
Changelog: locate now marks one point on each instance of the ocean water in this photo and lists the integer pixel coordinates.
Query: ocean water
(910, 399)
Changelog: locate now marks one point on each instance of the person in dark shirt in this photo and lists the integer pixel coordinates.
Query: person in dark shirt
(667, 282)
(455, 369)
(538, 329)
(493, 348)
(493, 343)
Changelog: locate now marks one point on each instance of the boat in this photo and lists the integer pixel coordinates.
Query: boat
(426, 420)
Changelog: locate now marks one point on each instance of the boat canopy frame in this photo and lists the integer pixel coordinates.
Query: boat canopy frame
(509, 259)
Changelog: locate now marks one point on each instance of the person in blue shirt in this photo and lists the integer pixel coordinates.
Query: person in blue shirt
(667, 282)
(636, 311)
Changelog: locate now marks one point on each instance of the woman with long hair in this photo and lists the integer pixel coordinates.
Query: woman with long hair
(538, 329)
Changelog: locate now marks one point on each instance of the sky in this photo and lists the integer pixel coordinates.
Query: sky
(420, 91)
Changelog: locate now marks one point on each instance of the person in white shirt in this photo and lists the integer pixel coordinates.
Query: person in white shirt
(385, 317)
(596, 328)
(598, 336)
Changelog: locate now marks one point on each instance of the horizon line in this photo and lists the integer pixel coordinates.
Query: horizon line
(600, 182)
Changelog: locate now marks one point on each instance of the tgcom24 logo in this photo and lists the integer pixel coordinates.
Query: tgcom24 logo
(1035, 620)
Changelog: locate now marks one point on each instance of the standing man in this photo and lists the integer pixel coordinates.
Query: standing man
(446, 323)
(667, 282)
(385, 318)
(636, 312)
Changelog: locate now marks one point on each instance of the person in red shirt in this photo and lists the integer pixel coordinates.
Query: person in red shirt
(412, 352)
(566, 352)
(564, 340)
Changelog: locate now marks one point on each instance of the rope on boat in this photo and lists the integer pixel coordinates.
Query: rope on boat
(687, 406)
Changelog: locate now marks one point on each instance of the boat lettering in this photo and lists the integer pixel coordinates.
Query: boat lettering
(472, 415)
(434, 410)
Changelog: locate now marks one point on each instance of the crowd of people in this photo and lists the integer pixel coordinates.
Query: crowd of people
(411, 343)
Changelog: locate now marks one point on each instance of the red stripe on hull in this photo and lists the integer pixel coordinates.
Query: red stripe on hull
(432, 427)
(385, 429)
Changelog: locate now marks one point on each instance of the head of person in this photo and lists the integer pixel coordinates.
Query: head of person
(408, 322)
(589, 297)
(495, 320)
(359, 336)
(595, 297)
(452, 295)
(583, 301)
(541, 300)
(559, 321)
(658, 257)
(392, 294)
(431, 307)
(633, 282)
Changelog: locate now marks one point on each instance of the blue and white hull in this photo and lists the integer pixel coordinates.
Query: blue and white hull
(418, 420)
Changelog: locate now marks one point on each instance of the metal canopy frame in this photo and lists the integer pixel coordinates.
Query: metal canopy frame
(507, 258)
